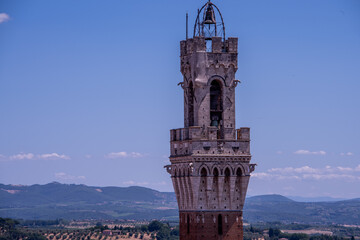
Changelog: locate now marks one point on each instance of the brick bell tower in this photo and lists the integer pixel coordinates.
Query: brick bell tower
(210, 159)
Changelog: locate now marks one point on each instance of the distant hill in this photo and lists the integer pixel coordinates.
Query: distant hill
(23, 196)
(70, 201)
(269, 198)
(276, 208)
(315, 199)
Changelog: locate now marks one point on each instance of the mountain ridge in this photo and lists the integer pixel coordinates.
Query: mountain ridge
(70, 201)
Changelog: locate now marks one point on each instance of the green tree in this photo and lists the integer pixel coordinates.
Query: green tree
(299, 236)
(271, 232)
(155, 226)
(163, 233)
(175, 232)
(144, 228)
(277, 232)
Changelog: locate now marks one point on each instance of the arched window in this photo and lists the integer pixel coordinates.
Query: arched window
(191, 104)
(203, 172)
(215, 96)
(216, 172)
(227, 172)
(238, 195)
(215, 188)
(220, 228)
(226, 188)
(216, 106)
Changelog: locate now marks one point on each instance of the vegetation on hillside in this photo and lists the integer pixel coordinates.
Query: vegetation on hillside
(8, 231)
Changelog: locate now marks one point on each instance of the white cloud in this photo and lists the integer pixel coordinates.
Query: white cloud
(269, 176)
(307, 152)
(53, 156)
(31, 156)
(261, 175)
(347, 154)
(65, 176)
(330, 176)
(287, 170)
(4, 17)
(279, 152)
(309, 173)
(22, 156)
(115, 155)
(129, 183)
(344, 169)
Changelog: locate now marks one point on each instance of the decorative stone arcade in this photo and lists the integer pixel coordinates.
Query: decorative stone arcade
(210, 159)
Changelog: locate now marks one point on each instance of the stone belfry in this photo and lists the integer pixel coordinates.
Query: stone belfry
(210, 159)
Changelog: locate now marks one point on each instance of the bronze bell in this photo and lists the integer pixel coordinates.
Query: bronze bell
(210, 16)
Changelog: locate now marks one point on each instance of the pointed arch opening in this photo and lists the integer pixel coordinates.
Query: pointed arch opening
(216, 172)
(227, 172)
(238, 172)
(216, 106)
(203, 197)
(203, 172)
(215, 189)
(226, 193)
(238, 188)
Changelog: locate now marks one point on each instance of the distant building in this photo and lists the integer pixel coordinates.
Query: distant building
(210, 158)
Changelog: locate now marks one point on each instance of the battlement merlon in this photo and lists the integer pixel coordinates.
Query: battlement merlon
(198, 44)
(223, 53)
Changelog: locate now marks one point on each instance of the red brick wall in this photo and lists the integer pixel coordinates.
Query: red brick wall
(205, 226)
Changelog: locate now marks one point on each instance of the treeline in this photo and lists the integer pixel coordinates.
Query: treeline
(276, 234)
(43, 223)
(156, 229)
(8, 231)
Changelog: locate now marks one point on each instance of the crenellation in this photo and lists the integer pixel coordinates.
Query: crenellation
(232, 44)
(217, 45)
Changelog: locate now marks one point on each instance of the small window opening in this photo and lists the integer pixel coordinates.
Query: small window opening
(220, 228)
(188, 224)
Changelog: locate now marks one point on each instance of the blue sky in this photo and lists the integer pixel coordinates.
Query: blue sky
(88, 91)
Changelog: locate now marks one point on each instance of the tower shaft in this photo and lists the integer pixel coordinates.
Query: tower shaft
(210, 159)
